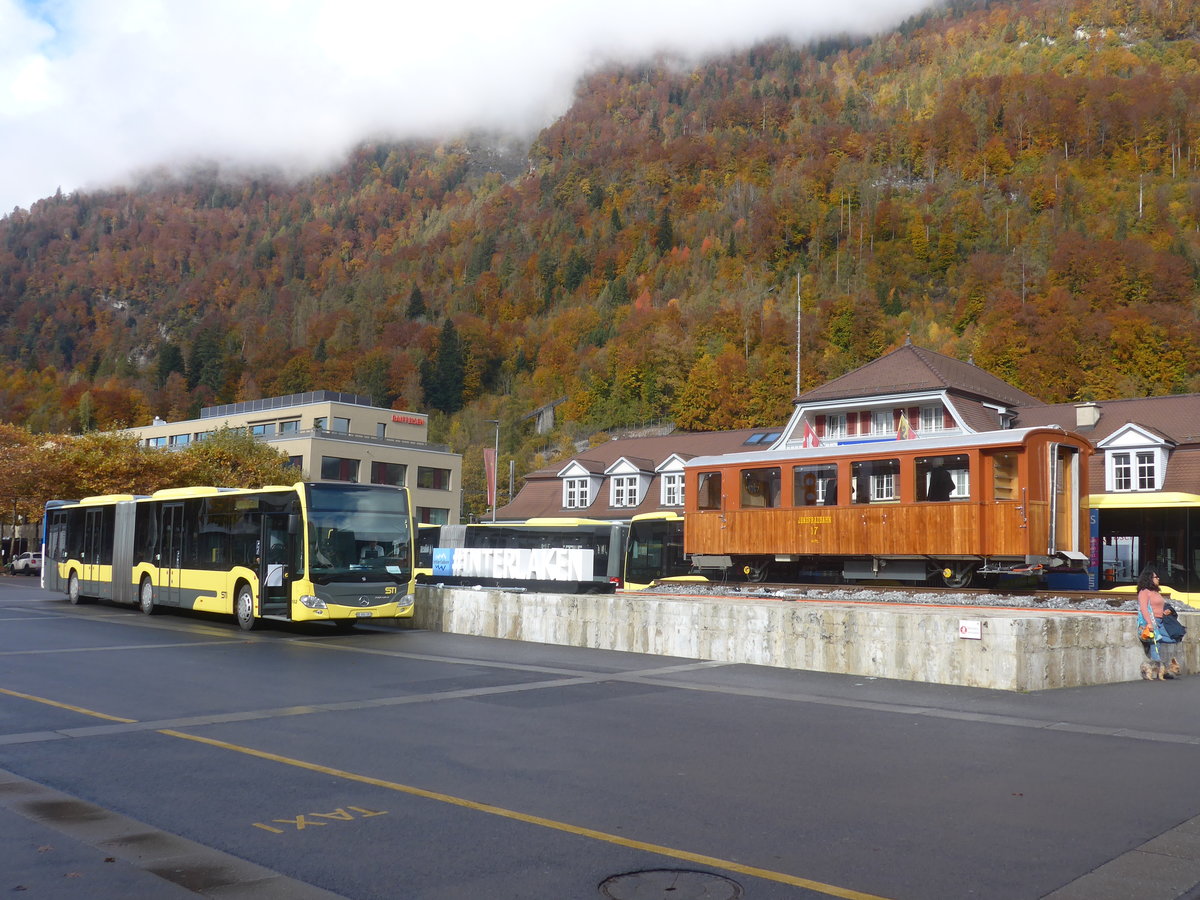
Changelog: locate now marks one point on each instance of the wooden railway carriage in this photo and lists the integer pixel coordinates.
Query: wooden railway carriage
(948, 508)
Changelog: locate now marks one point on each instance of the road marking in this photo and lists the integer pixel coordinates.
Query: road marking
(78, 709)
(174, 644)
(579, 831)
(338, 815)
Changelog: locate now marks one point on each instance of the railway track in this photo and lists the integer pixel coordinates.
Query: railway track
(879, 593)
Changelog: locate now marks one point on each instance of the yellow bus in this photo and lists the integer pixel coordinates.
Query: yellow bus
(308, 552)
(654, 552)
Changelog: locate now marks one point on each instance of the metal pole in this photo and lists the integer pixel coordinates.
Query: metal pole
(496, 471)
(798, 320)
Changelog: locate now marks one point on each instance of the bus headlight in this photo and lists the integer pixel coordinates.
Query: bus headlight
(312, 602)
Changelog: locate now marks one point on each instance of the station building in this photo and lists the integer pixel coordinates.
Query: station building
(331, 436)
(1144, 490)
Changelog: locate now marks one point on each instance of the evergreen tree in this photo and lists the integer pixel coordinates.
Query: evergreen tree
(170, 359)
(205, 364)
(664, 233)
(444, 377)
(416, 304)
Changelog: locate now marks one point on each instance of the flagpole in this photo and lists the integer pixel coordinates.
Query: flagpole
(798, 320)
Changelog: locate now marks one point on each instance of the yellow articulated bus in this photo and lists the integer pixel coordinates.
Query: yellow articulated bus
(308, 552)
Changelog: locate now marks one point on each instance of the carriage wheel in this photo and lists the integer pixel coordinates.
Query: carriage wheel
(959, 574)
(756, 570)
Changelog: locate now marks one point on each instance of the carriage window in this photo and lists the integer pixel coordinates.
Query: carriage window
(1004, 476)
(708, 492)
(943, 477)
(875, 480)
(814, 485)
(761, 487)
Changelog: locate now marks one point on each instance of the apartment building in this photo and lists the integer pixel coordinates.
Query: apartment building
(332, 436)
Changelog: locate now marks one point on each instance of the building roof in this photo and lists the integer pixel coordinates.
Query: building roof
(1176, 418)
(910, 369)
(542, 494)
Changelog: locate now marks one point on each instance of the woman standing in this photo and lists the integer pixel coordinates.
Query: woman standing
(1150, 609)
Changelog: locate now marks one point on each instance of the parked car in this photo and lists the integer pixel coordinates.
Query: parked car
(27, 564)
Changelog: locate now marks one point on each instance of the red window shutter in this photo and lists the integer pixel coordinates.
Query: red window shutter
(947, 419)
(851, 423)
(896, 417)
(914, 417)
(820, 426)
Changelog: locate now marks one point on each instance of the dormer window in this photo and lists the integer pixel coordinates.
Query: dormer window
(1134, 471)
(624, 490)
(575, 493)
(672, 489)
(1135, 459)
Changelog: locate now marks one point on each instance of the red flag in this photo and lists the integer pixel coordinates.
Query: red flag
(905, 432)
(810, 436)
(489, 469)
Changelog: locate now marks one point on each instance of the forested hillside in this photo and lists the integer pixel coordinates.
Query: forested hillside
(1015, 182)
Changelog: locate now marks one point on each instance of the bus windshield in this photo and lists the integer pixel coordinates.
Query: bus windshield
(358, 533)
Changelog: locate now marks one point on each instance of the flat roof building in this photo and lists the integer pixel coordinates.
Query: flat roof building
(332, 436)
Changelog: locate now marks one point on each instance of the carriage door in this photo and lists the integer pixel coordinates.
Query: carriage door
(170, 555)
(1064, 499)
(275, 565)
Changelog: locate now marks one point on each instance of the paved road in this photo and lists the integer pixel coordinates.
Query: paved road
(171, 755)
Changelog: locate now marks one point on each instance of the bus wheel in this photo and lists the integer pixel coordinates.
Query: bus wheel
(146, 600)
(73, 590)
(244, 608)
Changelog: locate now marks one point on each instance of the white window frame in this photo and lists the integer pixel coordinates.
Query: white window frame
(1146, 470)
(883, 487)
(933, 418)
(623, 491)
(962, 484)
(576, 493)
(883, 421)
(672, 489)
(1122, 471)
(835, 426)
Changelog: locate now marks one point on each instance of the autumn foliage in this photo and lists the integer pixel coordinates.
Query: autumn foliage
(1016, 183)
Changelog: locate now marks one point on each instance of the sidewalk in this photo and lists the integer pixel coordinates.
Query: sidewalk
(55, 846)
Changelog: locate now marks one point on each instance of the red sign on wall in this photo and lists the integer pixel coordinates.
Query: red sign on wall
(407, 420)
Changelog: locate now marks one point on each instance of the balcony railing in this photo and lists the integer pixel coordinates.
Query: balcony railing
(304, 433)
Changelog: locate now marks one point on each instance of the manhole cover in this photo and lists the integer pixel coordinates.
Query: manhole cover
(670, 884)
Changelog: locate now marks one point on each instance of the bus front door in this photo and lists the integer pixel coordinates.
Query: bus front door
(170, 555)
(275, 565)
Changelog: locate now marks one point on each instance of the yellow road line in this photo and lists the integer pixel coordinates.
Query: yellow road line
(78, 709)
(711, 861)
(685, 855)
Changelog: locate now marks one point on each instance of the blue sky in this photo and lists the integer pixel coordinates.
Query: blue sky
(93, 92)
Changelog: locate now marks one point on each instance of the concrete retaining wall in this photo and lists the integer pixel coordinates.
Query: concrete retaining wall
(1019, 650)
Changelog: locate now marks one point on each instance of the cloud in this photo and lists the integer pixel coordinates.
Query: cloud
(91, 93)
